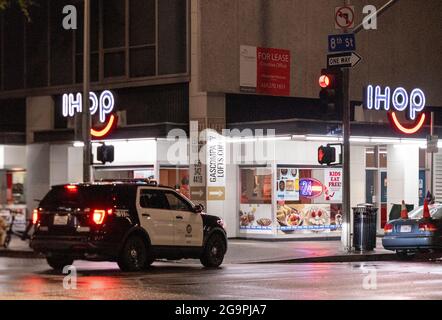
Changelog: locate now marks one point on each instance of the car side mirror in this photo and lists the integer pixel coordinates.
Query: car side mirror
(199, 208)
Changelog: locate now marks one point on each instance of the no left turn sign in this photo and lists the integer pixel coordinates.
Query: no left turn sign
(345, 17)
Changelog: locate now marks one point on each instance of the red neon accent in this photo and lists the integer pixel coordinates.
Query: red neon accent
(71, 188)
(98, 216)
(417, 126)
(35, 216)
(105, 131)
(324, 81)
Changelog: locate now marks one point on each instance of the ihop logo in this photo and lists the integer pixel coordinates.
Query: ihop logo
(398, 100)
(104, 105)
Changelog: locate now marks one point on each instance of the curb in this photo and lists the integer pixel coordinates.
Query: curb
(334, 259)
(21, 254)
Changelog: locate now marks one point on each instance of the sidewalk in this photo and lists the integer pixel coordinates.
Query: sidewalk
(18, 249)
(252, 251)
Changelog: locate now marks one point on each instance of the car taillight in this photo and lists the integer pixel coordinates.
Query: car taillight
(427, 227)
(388, 228)
(71, 188)
(98, 215)
(35, 216)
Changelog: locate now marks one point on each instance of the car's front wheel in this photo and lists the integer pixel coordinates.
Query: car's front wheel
(214, 251)
(405, 255)
(58, 262)
(135, 256)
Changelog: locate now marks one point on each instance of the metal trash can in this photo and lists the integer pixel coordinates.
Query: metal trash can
(364, 227)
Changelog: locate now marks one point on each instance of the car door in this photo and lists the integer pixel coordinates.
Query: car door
(188, 224)
(155, 216)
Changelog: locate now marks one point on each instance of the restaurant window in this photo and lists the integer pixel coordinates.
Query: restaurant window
(383, 157)
(177, 178)
(255, 214)
(308, 200)
(370, 157)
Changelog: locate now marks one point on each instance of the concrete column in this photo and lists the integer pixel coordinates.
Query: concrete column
(357, 174)
(65, 164)
(208, 110)
(403, 175)
(37, 175)
(39, 115)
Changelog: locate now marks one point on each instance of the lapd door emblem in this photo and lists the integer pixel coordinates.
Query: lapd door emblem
(189, 229)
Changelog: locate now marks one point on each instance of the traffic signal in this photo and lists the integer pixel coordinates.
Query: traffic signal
(105, 154)
(326, 155)
(331, 93)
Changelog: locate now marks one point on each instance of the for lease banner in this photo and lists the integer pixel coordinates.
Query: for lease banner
(265, 70)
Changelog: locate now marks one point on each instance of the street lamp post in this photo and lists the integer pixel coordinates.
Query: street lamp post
(86, 116)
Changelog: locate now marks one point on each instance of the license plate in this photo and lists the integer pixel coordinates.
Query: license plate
(405, 229)
(60, 220)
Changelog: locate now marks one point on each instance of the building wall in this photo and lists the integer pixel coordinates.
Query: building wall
(403, 51)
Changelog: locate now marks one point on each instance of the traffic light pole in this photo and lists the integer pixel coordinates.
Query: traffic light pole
(85, 115)
(346, 208)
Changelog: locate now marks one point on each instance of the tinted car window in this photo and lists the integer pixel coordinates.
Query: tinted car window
(153, 199)
(82, 197)
(176, 203)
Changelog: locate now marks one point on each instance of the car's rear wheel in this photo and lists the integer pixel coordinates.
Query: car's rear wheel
(214, 251)
(58, 262)
(135, 255)
(405, 255)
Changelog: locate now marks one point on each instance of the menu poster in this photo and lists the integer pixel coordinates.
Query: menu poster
(308, 218)
(287, 184)
(255, 218)
(333, 185)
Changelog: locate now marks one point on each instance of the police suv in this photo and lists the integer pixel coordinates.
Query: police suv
(130, 222)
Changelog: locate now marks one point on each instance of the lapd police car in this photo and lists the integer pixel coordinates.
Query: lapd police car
(132, 223)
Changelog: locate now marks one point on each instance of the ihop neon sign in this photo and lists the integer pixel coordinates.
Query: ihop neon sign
(104, 105)
(398, 100)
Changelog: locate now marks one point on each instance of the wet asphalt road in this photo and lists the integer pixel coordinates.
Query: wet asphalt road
(32, 279)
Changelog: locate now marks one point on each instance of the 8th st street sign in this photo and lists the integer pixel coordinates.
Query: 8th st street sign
(343, 60)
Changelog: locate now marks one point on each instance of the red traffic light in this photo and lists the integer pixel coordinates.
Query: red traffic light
(324, 81)
(326, 155)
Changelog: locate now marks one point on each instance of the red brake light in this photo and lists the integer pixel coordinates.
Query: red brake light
(35, 216)
(427, 227)
(71, 188)
(388, 228)
(98, 216)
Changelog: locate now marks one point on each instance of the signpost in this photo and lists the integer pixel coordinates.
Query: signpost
(432, 142)
(343, 60)
(341, 42)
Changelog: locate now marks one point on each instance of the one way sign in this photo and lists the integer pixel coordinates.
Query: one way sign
(343, 60)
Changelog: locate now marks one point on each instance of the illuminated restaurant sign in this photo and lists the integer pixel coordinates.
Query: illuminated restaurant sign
(398, 100)
(310, 188)
(104, 105)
